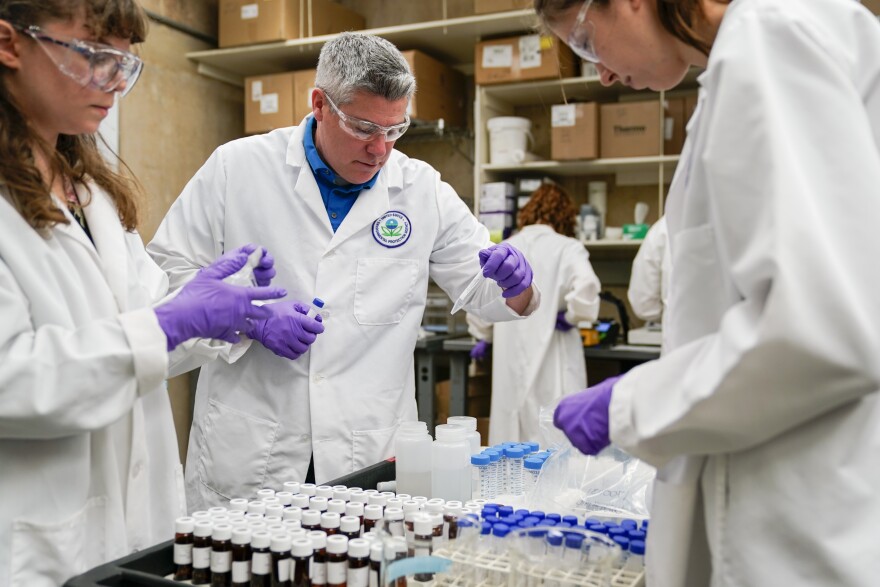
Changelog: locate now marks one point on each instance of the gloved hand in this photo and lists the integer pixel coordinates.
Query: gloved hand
(480, 350)
(561, 323)
(583, 416)
(265, 271)
(206, 307)
(288, 332)
(506, 265)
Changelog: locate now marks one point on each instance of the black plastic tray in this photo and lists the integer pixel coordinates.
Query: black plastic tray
(148, 568)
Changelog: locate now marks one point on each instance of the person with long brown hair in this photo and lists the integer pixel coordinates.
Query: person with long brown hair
(89, 467)
(537, 361)
(763, 413)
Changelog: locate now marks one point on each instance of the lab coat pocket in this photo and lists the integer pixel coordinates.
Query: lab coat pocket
(383, 289)
(49, 554)
(237, 446)
(368, 447)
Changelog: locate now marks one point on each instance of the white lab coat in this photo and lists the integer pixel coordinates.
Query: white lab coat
(533, 364)
(764, 418)
(89, 466)
(648, 290)
(258, 420)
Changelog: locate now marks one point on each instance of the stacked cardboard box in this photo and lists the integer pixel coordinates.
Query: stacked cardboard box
(247, 22)
(529, 57)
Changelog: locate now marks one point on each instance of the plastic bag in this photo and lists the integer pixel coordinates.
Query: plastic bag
(611, 484)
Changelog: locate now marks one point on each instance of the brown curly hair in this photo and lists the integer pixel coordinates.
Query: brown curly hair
(550, 204)
(75, 157)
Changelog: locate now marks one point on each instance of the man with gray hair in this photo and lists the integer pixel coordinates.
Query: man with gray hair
(360, 226)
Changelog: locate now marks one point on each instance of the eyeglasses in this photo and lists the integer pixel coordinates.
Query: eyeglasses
(89, 63)
(580, 39)
(364, 129)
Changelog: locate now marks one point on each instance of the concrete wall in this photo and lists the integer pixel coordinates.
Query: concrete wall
(169, 124)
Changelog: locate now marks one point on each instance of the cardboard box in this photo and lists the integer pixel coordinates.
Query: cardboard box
(630, 129)
(246, 22)
(303, 84)
(440, 90)
(483, 429)
(486, 6)
(529, 57)
(673, 126)
(574, 131)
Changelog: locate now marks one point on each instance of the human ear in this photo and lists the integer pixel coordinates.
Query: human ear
(318, 104)
(9, 46)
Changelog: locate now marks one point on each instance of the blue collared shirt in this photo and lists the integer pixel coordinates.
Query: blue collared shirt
(338, 195)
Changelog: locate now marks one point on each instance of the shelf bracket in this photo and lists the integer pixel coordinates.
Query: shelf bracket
(220, 75)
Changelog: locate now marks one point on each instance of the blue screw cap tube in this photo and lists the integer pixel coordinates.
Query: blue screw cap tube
(316, 307)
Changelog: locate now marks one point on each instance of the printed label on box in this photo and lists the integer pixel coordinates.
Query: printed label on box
(256, 90)
(269, 104)
(562, 115)
(498, 56)
(250, 11)
(668, 127)
(530, 51)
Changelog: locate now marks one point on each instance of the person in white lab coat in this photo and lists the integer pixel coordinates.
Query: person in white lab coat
(537, 361)
(355, 223)
(648, 291)
(763, 416)
(89, 465)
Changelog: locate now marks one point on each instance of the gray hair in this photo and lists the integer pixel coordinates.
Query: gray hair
(355, 62)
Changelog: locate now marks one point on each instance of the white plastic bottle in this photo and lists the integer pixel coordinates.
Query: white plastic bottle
(451, 470)
(245, 276)
(470, 424)
(412, 449)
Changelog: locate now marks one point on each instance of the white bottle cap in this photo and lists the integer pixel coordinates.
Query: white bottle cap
(298, 534)
(260, 539)
(241, 536)
(422, 525)
(344, 493)
(403, 496)
(270, 500)
(377, 499)
(469, 423)
(276, 529)
(394, 502)
(349, 524)
(275, 509)
(324, 491)
(354, 508)
(292, 513)
(300, 500)
(238, 504)
(221, 532)
(311, 518)
(201, 515)
(203, 528)
(253, 516)
(373, 512)
(330, 520)
(318, 503)
(359, 496)
(336, 505)
(452, 508)
(291, 486)
(272, 519)
(256, 507)
(337, 544)
(217, 511)
(301, 547)
(280, 543)
(393, 514)
(376, 550)
(318, 538)
(410, 505)
(308, 488)
(184, 525)
(265, 492)
(450, 433)
(292, 524)
(358, 548)
(255, 525)
(434, 506)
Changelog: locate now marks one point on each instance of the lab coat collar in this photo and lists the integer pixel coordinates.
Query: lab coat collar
(103, 220)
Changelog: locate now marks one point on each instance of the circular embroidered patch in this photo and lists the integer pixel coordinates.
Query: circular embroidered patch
(392, 229)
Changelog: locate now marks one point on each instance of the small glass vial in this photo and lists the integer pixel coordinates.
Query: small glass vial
(291, 486)
(451, 513)
(531, 471)
(336, 506)
(238, 504)
(635, 562)
(437, 529)
(265, 492)
(308, 489)
(358, 496)
(330, 523)
(261, 559)
(377, 499)
(325, 491)
(394, 521)
(423, 541)
(301, 551)
(482, 479)
(256, 507)
(292, 513)
(355, 508)
(311, 520)
(358, 563)
(410, 509)
(319, 558)
(395, 549)
(300, 500)
(280, 560)
(372, 515)
(350, 527)
(337, 561)
(221, 556)
(201, 574)
(284, 498)
(315, 308)
(342, 492)
(375, 563)
(183, 548)
(274, 510)
(394, 502)
(241, 557)
(318, 503)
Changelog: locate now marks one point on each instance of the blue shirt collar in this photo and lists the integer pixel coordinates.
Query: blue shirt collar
(321, 171)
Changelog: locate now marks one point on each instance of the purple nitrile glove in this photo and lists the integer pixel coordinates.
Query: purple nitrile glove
(288, 332)
(207, 307)
(506, 265)
(265, 271)
(480, 350)
(583, 416)
(561, 323)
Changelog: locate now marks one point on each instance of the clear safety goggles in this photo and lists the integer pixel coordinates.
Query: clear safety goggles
(89, 63)
(580, 39)
(366, 130)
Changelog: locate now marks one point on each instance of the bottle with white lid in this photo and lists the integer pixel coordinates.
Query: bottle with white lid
(324, 491)
(372, 515)
(337, 506)
(376, 555)
(343, 493)
(451, 471)
(241, 557)
(350, 527)
(238, 504)
(201, 552)
(358, 563)
(318, 503)
(183, 547)
(469, 423)
(330, 523)
(311, 520)
(284, 498)
(300, 500)
(319, 559)
(292, 487)
(221, 555)
(337, 560)
(261, 559)
(412, 450)
(280, 548)
(393, 518)
(301, 560)
(308, 489)
(292, 513)
(256, 507)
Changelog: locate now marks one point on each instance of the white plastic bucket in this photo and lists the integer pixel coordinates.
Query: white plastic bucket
(508, 139)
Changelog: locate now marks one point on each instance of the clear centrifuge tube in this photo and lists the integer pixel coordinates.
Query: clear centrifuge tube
(315, 308)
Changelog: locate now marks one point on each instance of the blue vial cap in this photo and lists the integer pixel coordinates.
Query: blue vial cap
(637, 546)
(486, 528)
(573, 540)
(509, 443)
(492, 505)
(533, 464)
(318, 302)
(534, 446)
(598, 528)
(548, 522)
(629, 524)
(645, 525)
(555, 538)
(636, 535)
(554, 517)
(538, 514)
(489, 512)
(592, 520)
(573, 520)
(480, 460)
(464, 523)
(611, 525)
(522, 512)
(563, 525)
(493, 455)
(538, 532)
(505, 510)
(622, 542)
(500, 530)
(514, 452)
(534, 519)
(509, 520)
(616, 531)
(527, 523)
